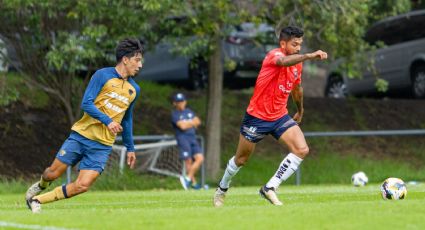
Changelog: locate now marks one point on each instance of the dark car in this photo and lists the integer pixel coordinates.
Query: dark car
(241, 47)
(401, 61)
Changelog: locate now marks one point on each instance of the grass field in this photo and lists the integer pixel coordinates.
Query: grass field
(305, 207)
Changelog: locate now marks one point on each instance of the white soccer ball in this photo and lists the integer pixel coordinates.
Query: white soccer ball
(359, 179)
(393, 189)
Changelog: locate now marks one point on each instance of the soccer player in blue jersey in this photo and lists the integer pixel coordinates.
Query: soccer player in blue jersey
(108, 110)
(185, 122)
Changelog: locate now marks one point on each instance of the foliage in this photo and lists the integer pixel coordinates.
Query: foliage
(58, 41)
(8, 93)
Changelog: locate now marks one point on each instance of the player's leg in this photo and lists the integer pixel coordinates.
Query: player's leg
(198, 159)
(252, 131)
(243, 152)
(69, 154)
(82, 184)
(188, 165)
(286, 132)
(294, 139)
(49, 175)
(185, 155)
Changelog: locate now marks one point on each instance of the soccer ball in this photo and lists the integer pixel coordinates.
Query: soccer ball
(359, 179)
(393, 189)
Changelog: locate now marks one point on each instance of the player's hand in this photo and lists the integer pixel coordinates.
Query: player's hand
(319, 55)
(114, 127)
(131, 159)
(298, 117)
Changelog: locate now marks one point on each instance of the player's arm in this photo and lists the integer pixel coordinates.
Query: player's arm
(196, 121)
(87, 105)
(294, 59)
(186, 124)
(297, 96)
(127, 134)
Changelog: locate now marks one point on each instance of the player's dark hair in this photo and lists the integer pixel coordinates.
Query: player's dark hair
(128, 48)
(290, 32)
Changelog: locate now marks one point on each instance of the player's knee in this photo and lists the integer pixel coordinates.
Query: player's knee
(200, 159)
(50, 175)
(82, 186)
(302, 152)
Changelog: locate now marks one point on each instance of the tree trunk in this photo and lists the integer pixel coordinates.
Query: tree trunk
(213, 126)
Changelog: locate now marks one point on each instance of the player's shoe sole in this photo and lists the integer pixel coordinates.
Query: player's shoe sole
(219, 195)
(270, 195)
(32, 191)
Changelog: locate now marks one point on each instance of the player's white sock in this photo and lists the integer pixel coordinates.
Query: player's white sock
(231, 170)
(286, 168)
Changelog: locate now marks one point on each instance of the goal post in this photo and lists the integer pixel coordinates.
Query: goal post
(157, 154)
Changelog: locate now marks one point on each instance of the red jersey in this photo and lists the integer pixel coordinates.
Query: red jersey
(273, 86)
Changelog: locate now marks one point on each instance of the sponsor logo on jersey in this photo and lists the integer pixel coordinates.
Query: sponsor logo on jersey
(287, 89)
(62, 152)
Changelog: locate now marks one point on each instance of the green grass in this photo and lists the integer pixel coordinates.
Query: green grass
(305, 207)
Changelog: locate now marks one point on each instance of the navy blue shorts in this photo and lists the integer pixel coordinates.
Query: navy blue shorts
(188, 146)
(92, 155)
(255, 129)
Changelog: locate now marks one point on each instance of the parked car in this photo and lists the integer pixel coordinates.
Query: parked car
(241, 46)
(401, 62)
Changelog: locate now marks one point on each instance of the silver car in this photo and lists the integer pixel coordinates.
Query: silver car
(401, 62)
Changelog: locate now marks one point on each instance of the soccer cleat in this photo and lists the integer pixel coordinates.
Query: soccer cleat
(219, 196)
(34, 205)
(196, 186)
(270, 195)
(186, 183)
(34, 190)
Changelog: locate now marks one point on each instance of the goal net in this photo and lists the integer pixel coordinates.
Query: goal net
(157, 154)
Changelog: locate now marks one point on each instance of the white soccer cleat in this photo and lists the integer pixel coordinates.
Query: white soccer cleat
(34, 205)
(33, 191)
(270, 195)
(219, 196)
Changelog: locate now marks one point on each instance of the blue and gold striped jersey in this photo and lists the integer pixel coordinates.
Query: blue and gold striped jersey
(108, 98)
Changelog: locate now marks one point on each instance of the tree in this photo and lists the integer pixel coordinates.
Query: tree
(206, 24)
(57, 41)
(335, 26)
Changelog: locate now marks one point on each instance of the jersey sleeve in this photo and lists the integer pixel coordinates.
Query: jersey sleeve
(96, 83)
(127, 124)
(174, 118)
(273, 56)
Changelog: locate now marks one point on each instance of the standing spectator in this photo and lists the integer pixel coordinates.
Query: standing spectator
(185, 122)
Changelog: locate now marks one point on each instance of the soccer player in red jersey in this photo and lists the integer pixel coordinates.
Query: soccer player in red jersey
(280, 75)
